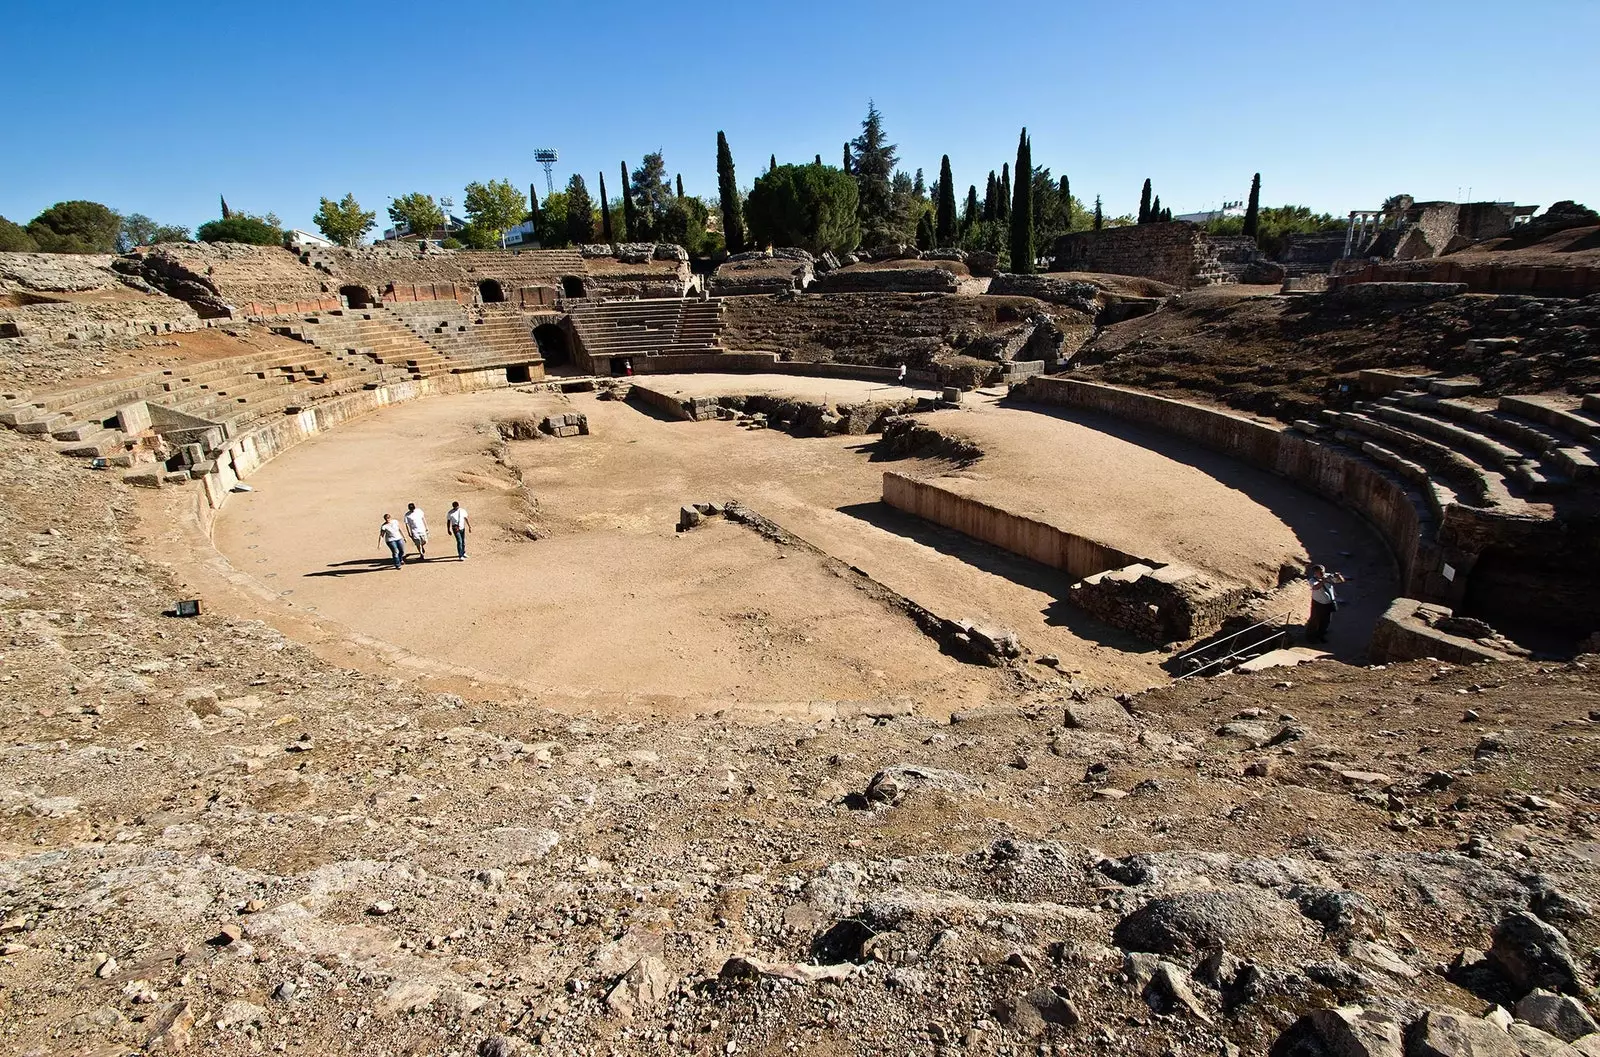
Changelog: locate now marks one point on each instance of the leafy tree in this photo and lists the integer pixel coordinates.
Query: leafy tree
(1022, 209)
(971, 212)
(728, 197)
(494, 207)
(651, 193)
(925, 236)
(1002, 205)
(140, 230)
(1144, 203)
(1276, 224)
(811, 206)
(477, 237)
(1252, 212)
(605, 213)
(630, 210)
(874, 161)
(989, 236)
(1099, 217)
(420, 214)
(580, 212)
(254, 231)
(552, 223)
(14, 238)
(684, 223)
(76, 227)
(345, 222)
(945, 228)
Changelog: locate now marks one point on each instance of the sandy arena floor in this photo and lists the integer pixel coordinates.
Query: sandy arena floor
(613, 607)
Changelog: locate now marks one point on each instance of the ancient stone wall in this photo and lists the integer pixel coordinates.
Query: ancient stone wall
(1478, 276)
(856, 279)
(1410, 630)
(1078, 556)
(1166, 252)
(1172, 603)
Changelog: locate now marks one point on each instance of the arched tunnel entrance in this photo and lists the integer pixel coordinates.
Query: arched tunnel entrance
(491, 292)
(357, 296)
(571, 286)
(555, 345)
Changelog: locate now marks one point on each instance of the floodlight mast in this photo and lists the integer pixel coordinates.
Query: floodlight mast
(547, 156)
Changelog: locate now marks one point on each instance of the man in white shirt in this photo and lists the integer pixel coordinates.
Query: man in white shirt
(1323, 602)
(389, 533)
(417, 529)
(456, 521)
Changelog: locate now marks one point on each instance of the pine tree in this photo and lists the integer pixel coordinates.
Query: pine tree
(875, 161)
(680, 185)
(1022, 210)
(1155, 209)
(1099, 217)
(728, 193)
(630, 214)
(945, 207)
(1252, 212)
(925, 233)
(1003, 203)
(990, 194)
(1144, 203)
(580, 212)
(919, 186)
(973, 211)
(1066, 204)
(605, 213)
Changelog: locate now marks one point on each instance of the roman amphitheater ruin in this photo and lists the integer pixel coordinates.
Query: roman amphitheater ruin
(869, 655)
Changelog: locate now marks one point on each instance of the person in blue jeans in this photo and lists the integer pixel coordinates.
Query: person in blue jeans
(456, 521)
(391, 534)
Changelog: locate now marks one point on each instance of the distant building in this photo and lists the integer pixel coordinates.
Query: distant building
(402, 230)
(308, 240)
(1229, 209)
(523, 236)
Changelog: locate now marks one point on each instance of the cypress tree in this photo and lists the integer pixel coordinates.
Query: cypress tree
(925, 233)
(973, 211)
(533, 212)
(1252, 212)
(945, 229)
(1167, 215)
(680, 185)
(1022, 210)
(847, 166)
(605, 213)
(728, 192)
(1144, 203)
(1002, 210)
(1155, 209)
(989, 195)
(1099, 217)
(818, 160)
(1066, 204)
(630, 214)
(773, 164)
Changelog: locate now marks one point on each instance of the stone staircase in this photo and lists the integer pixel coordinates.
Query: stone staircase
(472, 338)
(648, 327)
(370, 332)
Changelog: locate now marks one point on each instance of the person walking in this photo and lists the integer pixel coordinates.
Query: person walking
(417, 529)
(1324, 601)
(458, 524)
(389, 533)
(902, 376)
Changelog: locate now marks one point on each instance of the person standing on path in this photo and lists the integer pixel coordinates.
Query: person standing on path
(417, 529)
(1323, 602)
(389, 533)
(456, 521)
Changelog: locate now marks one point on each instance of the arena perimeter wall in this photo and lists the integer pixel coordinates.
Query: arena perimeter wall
(1363, 487)
(1075, 555)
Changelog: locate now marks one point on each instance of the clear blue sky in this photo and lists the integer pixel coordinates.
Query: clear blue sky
(158, 108)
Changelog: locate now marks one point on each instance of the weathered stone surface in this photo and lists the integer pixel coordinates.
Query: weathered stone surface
(1241, 919)
(1351, 1031)
(1457, 1035)
(1535, 954)
(1559, 1015)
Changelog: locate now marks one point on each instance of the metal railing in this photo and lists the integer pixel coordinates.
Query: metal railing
(1258, 634)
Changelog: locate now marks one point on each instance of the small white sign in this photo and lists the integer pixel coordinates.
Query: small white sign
(1450, 572)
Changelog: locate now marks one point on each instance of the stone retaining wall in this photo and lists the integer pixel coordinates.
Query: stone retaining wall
(1405, 632)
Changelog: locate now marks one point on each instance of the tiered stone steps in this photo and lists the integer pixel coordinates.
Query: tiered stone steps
(1514, 455)
(369, 333)
(485, 336)
(648, 327)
